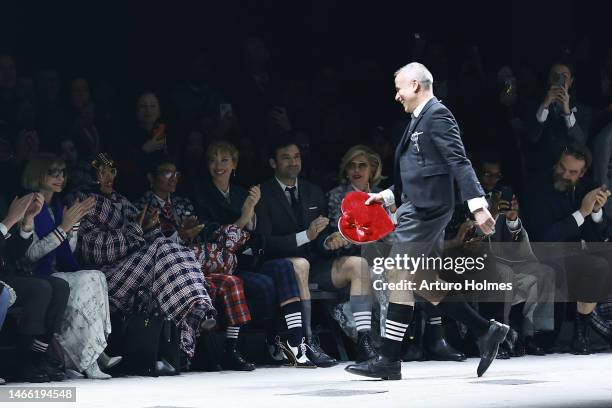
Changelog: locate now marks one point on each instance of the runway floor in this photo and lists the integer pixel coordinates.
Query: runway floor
(560, 380)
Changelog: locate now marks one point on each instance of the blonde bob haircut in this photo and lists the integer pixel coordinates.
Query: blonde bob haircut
(222, 146)
(35, 173)
(373, 158)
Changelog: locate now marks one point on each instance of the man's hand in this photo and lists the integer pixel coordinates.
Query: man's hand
(148, 220)
(17, 210)
(33, 210)
(588, 202)
(336, 241)
(510, 209)
(316, 226)
(375, 198)
(484, 221)
(602, 197)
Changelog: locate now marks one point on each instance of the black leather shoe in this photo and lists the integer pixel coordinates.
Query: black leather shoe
(377, 367)
(164, 368)
(233, 360)
(413, 353)
(532, 348)
(436, 347)
(32, 374)
(365, 348)
(53, 372)
(488, 344)
(315, 353)
(581, 341)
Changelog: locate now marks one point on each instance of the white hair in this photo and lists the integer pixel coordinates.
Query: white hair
(418, 72)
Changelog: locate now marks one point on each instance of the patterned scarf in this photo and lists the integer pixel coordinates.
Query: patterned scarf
(44, 225)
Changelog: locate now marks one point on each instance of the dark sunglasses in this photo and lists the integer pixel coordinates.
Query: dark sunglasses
(56, 172)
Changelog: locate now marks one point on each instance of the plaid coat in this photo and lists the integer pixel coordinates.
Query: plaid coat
(110, 239)
(220, 255)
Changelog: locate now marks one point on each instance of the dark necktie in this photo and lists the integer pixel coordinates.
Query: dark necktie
(295, 204)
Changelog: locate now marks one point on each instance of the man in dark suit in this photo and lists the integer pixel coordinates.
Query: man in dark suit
(428, 160)
(292, 216)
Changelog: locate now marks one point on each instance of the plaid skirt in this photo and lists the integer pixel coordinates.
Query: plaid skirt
(271, 285)
(228, 293)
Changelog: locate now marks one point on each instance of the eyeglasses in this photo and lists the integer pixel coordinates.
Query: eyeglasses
(112, 171)
(167, 174)
(56, 172)
(357, 165)
(492, 175)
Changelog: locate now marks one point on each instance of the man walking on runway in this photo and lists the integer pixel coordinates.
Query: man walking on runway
(428, 158)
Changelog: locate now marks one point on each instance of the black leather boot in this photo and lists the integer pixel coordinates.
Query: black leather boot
(581, 341)
(436, 347)
(365, 348)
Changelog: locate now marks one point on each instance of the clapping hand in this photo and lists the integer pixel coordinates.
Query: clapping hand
(190, 228)
(75, 213)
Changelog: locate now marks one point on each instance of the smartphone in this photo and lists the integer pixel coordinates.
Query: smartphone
(508, 85)
(159, 131)
(506, 193)
(225, 109)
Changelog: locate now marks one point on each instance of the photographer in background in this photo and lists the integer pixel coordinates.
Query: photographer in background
(558, 120)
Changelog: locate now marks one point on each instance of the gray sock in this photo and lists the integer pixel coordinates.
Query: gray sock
(306, 312)
(361, 306)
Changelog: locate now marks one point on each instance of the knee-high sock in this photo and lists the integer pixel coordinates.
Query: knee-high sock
(398, 318)
(293, 317)
(306, 315)
(455, 306)
(361, 306)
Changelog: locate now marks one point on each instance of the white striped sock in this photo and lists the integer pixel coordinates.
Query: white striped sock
(39, 346)
(232, 332)
(294, 320)
(363, 320)
(435, 320)
(395, 330)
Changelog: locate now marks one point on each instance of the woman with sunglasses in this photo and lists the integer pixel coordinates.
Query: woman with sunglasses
(86, 324)
(216, 249)
(360, 170)
(129, 247)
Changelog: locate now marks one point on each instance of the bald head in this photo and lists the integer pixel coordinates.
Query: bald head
(413, 85)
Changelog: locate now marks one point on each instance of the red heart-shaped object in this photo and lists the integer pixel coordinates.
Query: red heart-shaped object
(360, 223)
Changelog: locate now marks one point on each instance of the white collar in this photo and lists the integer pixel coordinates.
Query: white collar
(161, 201)
(418, 109)
(283, 186)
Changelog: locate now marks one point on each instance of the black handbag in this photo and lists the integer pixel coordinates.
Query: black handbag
(148, 341)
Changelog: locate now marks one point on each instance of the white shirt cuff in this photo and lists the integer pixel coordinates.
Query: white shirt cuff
(513, 225)
(597, 216)
(578, 217)
(570, 120)
(4, 230)
(301, 238)
(25, 234)
(477, 203)
(542, 114)
(389, 197)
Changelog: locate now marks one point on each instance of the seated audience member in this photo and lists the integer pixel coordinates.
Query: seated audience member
(130, 249)
(216, 250)
(43, 299)
(532, 301)
(86, 324)
(557, 121)
(563, 206)
(292, 217)
(147, 136)
(269, 285)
